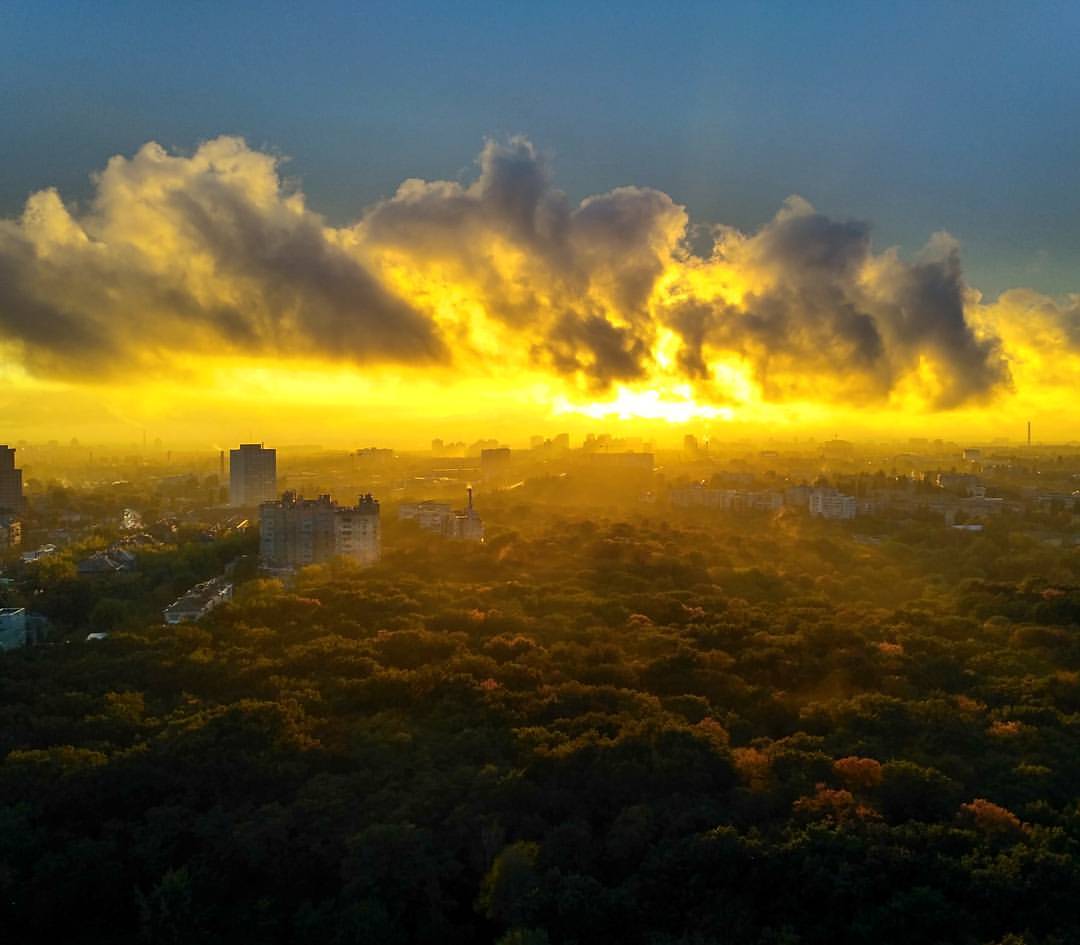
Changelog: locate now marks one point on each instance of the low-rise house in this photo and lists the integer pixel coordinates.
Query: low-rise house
(199, 601)
(439, 517)
(831, 504)
(13, 628)
(113, 560)
(98, 563)
(29, 557)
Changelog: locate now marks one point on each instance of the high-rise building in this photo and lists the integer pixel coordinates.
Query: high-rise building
(295, 531)
(356, 531)
(252, 475)
(11, 494)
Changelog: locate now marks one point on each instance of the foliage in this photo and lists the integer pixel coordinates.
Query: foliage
(583, 731)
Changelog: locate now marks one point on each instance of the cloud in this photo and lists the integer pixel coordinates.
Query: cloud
(572, 283)
(182, 255)
(199, 253)
(816, 315)
(1041, 335)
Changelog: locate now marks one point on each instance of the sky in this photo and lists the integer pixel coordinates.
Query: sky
(681, 212)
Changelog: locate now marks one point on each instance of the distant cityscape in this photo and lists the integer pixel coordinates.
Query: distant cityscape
(300, 523)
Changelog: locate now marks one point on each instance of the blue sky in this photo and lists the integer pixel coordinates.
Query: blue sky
(917, 116)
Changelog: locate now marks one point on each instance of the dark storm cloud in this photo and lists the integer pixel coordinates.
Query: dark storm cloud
(594, 347)
(313, 294)
(53, 338)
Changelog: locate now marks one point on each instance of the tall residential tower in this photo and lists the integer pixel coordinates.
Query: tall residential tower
(252, 475)
(11, 494)
(296, 531)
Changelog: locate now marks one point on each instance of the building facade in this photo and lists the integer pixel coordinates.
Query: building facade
(727, 500)
(429, 515)
(294, 531)
(252, 475)
(465, 524)
(11, 484)
(828, 503)
(10, 532)
(356, 531)
(459, 524)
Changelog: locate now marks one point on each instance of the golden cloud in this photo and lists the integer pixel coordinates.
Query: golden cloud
(212, 253)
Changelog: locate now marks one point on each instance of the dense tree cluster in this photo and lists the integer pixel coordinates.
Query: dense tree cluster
(585, 730)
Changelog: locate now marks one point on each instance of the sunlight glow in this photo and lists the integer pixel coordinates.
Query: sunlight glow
(678, 406)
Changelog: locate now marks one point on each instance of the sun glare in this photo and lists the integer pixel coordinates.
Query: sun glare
(676, 406)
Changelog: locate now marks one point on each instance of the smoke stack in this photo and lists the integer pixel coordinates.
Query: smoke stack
(221, 464)
(469, 491)
(1029, 433)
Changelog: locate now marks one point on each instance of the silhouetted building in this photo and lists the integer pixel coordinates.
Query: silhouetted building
(625, 461)
(252, 475)
(837, 449)
(296, 531)
(560, 444)
(11, 485)
(494, 462)
(375, 455)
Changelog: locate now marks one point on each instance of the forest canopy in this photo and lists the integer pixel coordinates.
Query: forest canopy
(583, 730)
